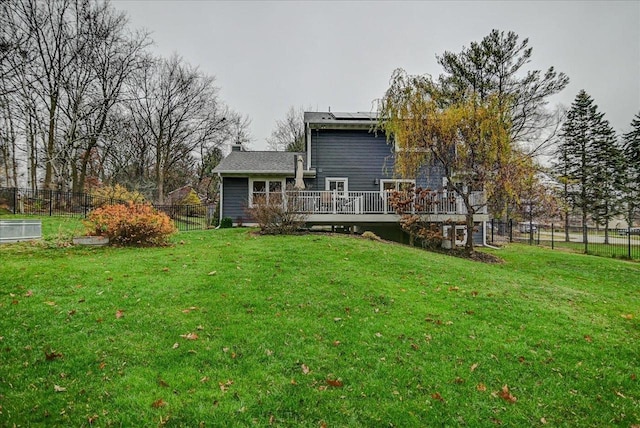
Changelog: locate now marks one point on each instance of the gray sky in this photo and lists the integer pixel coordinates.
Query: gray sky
(267, 56)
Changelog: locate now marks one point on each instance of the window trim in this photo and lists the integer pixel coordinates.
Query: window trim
(327, 180)
(268, 181)
(396, 181)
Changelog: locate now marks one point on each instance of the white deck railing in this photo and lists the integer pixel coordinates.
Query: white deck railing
(335, 202)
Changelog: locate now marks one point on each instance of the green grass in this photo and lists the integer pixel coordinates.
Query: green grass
(311, 330)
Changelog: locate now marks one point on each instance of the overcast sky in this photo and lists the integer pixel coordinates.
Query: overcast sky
(268, 56)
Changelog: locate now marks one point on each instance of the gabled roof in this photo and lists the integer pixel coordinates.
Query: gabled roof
(337, 120)
(281, 163)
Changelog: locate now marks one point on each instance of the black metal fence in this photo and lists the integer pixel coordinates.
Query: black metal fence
(612, 242)
(56, 203)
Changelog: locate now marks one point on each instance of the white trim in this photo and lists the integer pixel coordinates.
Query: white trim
(343, 179)
(267, 180)
(390, 180)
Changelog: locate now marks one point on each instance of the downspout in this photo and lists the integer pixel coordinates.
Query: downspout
(220, 202)
(484, 237)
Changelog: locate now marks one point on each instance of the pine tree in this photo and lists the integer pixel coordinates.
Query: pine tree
(607, 176)
(576, 153)
(632, 170)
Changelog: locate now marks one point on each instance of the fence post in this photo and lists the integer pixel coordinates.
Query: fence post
(552, 242)
(510, 230)
(15, 200)
(585, 238)
(629, 241)
(50, 203)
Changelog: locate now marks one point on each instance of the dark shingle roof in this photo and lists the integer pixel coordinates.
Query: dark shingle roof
(259, 163)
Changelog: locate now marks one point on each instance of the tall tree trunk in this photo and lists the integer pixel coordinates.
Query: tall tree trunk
(48, 176)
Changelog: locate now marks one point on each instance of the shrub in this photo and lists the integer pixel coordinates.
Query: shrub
(130, 224)
(279, 215)
(226, 223)
(191, 198)
(106, 195)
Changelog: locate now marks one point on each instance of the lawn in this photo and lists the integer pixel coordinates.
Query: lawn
(226, 328)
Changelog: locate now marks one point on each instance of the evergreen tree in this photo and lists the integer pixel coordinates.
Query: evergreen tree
(575, 165)
(607, 177)
(632, 170)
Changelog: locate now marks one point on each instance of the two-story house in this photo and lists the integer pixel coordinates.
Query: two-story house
(348, 173)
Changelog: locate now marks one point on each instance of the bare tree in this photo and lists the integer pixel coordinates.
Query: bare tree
(177, 108)
(289, 132)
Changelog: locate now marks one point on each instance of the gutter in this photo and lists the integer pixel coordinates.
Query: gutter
(220, 202)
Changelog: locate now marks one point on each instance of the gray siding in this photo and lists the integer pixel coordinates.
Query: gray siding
(235, 194)
(357, 154)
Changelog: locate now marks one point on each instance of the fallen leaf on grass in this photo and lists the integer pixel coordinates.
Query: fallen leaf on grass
(620, 394)
(224, 386)
(50, 303)
(50, 356)
(28, 293)
(474, 366)
(158, 403)
(305, 369)
(119, 313)
(175, 345)
(335, 383)
(506, 395)
(213, 272)
(588, 338)
(58, 388)
(186, 311)
(165, 269)
(189, 336)
(627, 316)
(162, 383)
(204, 379)
(481, 387)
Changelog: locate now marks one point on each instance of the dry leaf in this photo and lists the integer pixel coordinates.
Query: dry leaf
(543, 421)
(335, 383)
(204, 379)
(28, 293)
(224, 386)
(506, 395)
(162, 383)
(213, 272)
(336, 343)
(50, 356)
(619, 394)
(627, 316)
(481, 387)
(588, 338)
(165, 269)
(58, 388)
(158, 403)
(50, 303)
(175, 345)
(119, 313)
(189, 336)
(102, 365)
(437, 396)
(474, 366)
(305, 369)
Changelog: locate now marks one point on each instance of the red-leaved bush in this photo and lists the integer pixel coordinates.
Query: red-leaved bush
(130, 224)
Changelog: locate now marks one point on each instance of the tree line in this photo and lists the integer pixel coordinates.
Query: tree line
(597, 171)
(83, 102)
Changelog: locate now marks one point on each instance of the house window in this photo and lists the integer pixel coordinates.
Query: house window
(341, 185)
(397, 185)
(265, 191)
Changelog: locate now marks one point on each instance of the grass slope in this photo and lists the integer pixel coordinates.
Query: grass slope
(230, 329)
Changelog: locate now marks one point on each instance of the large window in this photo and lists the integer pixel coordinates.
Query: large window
(265, 191)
